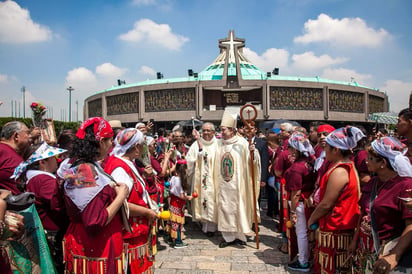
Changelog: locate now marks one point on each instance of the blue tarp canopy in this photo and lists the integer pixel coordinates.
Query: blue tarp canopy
(390, 118)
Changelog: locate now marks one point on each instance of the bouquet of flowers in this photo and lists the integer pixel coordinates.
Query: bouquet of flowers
(38, 112)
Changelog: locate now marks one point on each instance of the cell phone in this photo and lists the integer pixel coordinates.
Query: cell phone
(151, 120)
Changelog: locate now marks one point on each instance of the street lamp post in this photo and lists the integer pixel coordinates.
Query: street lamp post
(23, 90)
(70, 89)
(77, 110)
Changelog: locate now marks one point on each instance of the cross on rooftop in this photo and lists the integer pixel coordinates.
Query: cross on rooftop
(233, 42)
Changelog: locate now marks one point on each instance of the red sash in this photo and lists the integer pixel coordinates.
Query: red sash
(346, 210)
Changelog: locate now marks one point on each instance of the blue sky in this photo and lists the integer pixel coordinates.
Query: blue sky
(48, 46)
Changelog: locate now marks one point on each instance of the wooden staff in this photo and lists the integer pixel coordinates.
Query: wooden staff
(251, 114)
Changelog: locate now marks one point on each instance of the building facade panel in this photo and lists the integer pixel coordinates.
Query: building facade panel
(376, 104)
(296, 98)
(346, 101)
(95, 108)
(174, 99)
(125, 103)
(346, 116)
(309, 115)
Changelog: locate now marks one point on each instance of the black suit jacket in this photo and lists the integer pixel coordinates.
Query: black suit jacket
(262, 147)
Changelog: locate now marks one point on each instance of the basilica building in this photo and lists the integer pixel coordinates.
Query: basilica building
(231, 81)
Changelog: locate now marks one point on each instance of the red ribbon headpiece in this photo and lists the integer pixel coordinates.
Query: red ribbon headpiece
(101, 129)
(326, 127)
(181, 162)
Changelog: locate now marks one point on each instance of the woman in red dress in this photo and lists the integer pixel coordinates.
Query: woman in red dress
(300, 182)
(338, 211)
(93, 241)
(37, 171)
(389, 219)
(139, 241)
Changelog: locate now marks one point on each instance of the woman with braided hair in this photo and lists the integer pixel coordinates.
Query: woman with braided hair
(93, 242)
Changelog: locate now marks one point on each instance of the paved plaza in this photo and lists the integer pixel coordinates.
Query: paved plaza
(203, 255)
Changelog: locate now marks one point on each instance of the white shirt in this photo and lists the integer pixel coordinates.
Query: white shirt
(121, 176)
(176, 186)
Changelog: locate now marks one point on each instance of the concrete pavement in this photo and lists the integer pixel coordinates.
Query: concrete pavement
(203, 255)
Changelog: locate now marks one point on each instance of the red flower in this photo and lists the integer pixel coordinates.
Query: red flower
(38, 112)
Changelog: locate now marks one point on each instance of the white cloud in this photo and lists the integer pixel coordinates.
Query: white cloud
(143, 2)
(81, 77)
(308, 61)
(109, 70)
(158, 34)
(147, 70)
(165, 5)
(3, 78)
(270, 59)
(346, 32)
(398, 94)
(346, 75)
(17, 27)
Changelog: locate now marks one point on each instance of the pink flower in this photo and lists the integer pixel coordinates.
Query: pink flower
(33, 105)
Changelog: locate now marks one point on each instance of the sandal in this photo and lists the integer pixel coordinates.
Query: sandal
(283, 249)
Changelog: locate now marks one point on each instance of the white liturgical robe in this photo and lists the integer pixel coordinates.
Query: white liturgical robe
(233, 177)
(200, 173)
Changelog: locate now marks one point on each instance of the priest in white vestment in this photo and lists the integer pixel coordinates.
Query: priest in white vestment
(233, 177)
(200, 164)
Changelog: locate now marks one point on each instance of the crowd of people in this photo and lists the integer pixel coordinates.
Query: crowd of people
(342, 197)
